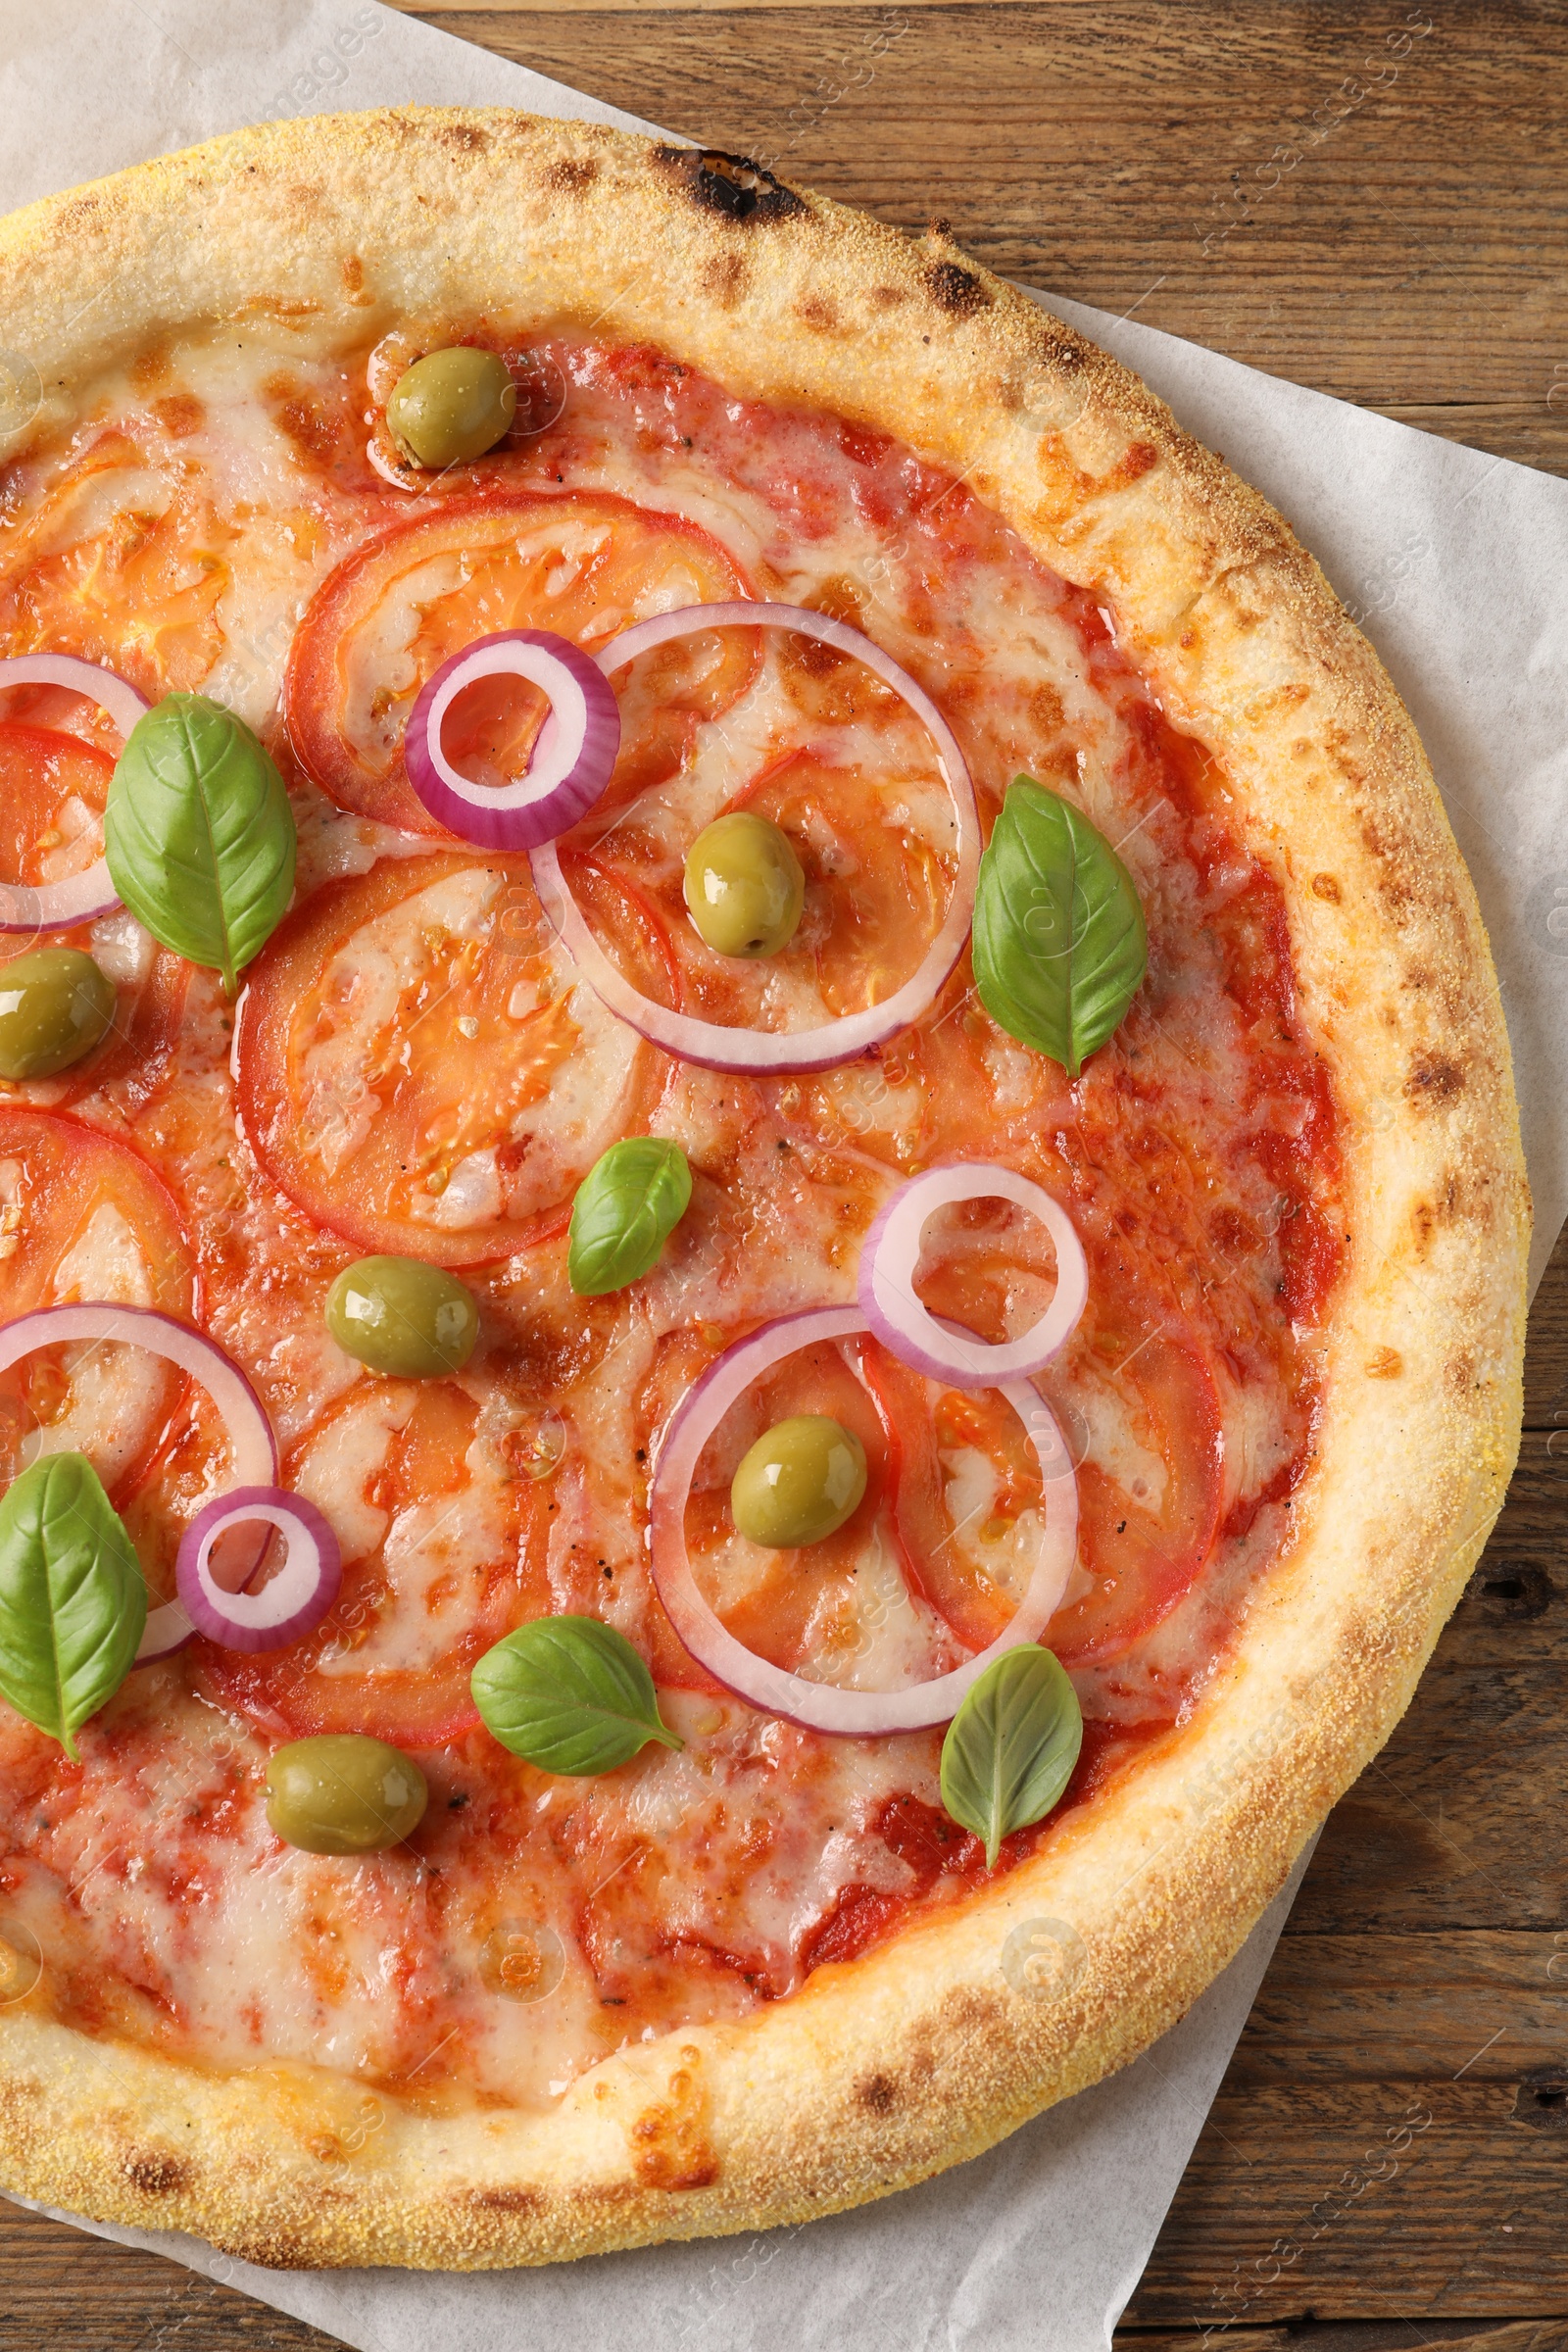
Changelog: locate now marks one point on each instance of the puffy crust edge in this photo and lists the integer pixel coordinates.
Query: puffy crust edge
(926, 2052)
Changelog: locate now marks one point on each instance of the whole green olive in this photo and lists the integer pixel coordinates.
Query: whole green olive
(451, 405)
(344, 1794)
(399, 1315)
(744, 886)
(55, 1006)
(799, 1482)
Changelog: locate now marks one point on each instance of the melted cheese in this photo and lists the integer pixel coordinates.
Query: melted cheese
(690, 1884)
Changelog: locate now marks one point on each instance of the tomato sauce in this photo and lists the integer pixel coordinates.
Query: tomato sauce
(415, 1065)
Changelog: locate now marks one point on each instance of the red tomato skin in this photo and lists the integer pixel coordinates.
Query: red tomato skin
(266, 1115)
(312, 685)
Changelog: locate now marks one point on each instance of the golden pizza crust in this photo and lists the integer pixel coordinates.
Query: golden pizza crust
(928, 2050)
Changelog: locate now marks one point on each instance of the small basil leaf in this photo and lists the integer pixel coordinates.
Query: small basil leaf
(568, 1695)
(1011, 1747)
(73, 1600)
(627, 1206)
(199, 834)
(1059, 944)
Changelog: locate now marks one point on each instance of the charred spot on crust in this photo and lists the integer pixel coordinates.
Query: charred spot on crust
(465, 137)
(878, 2094)
(1434, 1078)
(157, 2174)
(814, 311)
(506, 2201)
(955, 290)
(571, 174)
(729, 185)
(726, 278)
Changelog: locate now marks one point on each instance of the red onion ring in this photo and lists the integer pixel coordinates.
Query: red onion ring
(891, 1252)
(761, 1050)
(821, 1707)
(296, 1599)
(572, 760)
(80, 897)
(168, 1629)
(243, 1415)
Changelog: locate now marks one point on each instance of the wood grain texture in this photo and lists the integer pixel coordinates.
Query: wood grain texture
(1387, 2165)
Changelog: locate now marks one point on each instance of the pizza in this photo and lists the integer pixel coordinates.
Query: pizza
(761, 1229)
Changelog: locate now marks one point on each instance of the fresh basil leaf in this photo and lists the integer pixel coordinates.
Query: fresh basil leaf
(199, 834)
(568, 1695)
(1059, 944)
(73, 1600)
(1011, 1747)
(627, 1206)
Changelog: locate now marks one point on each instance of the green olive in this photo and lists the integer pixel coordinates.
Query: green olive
(451, 405)
(399, 1315)
(55, 1006)
(744, 886)
(343, 1794)
(799, 1483)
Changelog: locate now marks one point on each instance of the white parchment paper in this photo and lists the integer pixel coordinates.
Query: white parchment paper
(1456, 564)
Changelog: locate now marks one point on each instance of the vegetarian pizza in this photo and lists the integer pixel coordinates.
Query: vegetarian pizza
(761, 1219)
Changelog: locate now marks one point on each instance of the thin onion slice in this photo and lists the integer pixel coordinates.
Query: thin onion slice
(290, 1602)
(821, 1707)
(765, 1051)
(572, 760)
(80, 897)
(243, 1415)
(891, 1254)
(168, 1629)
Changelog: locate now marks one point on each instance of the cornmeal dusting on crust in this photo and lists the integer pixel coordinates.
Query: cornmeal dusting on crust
(930, 2046)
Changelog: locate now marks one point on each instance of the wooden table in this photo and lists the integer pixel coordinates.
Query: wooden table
(1386, 2164)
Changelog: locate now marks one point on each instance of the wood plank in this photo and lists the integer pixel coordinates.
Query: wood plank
(1366, 2201)
(60, 2288)
(1546, 1353)
(1352, 2335)
(1516, 1607)
(1458, 1823)
(1479, 2004)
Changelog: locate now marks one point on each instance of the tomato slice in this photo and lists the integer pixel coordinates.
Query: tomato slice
(122, 560)
(84, 1217)
(790, 1607)
(585, 566)
(1142, 1402)
(444, 1553)
(421, 1068)
(910, 1586)
(53, 787)
(1149, 1488)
